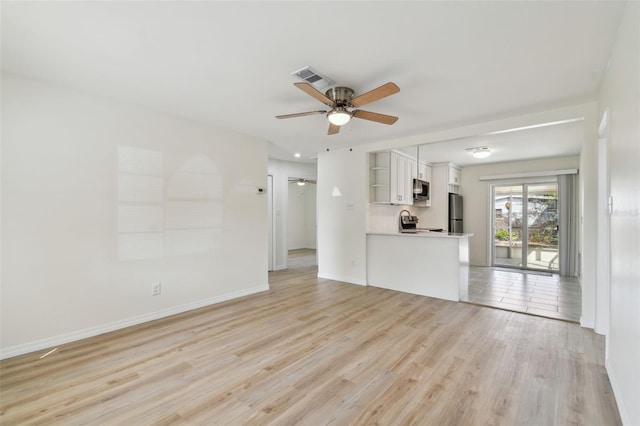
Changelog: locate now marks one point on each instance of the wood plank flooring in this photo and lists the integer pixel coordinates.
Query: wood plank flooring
(317, 352)
(300, 258)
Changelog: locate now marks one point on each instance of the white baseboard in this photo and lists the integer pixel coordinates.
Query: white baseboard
(624, 414)
(128, 322)
(342, 279)
(587, 324)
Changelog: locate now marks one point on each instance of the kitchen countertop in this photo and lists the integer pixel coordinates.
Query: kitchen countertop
(428, 234)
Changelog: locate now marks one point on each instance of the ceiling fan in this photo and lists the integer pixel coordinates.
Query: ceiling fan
(341, 99)
(302, 182)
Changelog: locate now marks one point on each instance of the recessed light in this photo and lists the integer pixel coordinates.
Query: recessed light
(297, 155)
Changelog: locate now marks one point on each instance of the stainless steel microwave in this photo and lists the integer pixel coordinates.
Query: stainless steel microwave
(420, 190)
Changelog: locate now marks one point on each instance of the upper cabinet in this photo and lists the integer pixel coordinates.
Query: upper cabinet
(392, 174)
(401, 180)
(427, 172)
(453, 178)
(390, 178)
(420, 170)
(424, 163)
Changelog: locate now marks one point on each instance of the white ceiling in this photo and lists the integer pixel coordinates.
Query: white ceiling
(557, 140)
(230, 63)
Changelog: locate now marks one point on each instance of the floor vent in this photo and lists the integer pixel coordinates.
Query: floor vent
(312, 77)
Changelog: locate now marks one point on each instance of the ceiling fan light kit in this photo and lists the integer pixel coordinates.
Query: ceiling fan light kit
(341, 99)
(302, 181)
(339, 116)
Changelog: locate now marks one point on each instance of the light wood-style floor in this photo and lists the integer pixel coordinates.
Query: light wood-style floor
(300, 258)
(315, 352)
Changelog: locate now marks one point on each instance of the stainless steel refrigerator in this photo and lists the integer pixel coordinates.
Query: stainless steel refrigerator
(455, 213)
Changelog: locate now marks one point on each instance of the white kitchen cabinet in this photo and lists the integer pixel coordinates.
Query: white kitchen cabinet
(401, 181)
(390, 178)
(420, 170)
(454, 178)
(427, 173)
(445, 179)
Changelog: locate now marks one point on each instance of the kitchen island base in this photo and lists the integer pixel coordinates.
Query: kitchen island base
(428, 264)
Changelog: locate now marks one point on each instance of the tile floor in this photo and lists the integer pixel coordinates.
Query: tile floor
(533, 293)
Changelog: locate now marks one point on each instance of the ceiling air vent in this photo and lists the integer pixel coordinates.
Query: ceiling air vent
(313, 78)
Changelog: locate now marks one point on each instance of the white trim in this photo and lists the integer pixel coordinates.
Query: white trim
(586, 324)
(346, 280)
(491, 255)
(617, 394)
(271, 214)
(603, 128)
(603, 239)
(128, 322)
(530, 174)
(535, 126)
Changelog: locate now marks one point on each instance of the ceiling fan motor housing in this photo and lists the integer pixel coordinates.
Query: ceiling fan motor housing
(341, 96)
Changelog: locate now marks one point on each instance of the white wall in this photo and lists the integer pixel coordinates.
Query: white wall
(301, 222)
(588, 184)
(311, 213)
(342, 219)
(101, 199)
(386, 218)
(620, 93)
(477, 198)
(281, 172)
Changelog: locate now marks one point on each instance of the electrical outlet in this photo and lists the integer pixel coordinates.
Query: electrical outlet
(155, 289)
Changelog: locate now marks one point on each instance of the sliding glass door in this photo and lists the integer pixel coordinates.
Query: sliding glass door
(525, 226)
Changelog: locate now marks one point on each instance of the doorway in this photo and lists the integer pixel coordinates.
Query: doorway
(271, 251)
(301, 223)
(525, 226)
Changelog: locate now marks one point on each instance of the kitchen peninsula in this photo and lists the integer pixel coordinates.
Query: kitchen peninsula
(434, 264)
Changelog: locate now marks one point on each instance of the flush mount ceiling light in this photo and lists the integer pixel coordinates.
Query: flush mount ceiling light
(339, 116)
(480, 152)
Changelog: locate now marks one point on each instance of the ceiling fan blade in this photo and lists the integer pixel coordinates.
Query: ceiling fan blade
(374, 116)
(301, 114)
(375, 94)
(333, 129)
(310, 90)
(313, 181)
